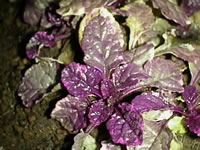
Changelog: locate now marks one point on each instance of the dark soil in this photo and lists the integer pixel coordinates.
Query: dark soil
(22, 128)
(30, 128)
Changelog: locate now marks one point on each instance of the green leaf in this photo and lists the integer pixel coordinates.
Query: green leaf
(176, 125)
(84, 141)
(136, 13)
(175, 145)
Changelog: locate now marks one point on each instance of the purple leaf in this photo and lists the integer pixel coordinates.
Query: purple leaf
(99, 112)
(51, 18)
(149, 101)
(164, 74)
(107, 88)
(37, 80)
(39, 40)
(192, 121)
(126, 126)
(156, 137)
(71, 112)
(81, 80)
(101, 45)
(127, 76)
(190, 6)
(190, 95)
(171, 11)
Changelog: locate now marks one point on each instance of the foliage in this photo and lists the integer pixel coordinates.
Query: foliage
(125, 81)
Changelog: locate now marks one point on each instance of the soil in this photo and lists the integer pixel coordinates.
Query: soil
(22, 128)
(30, 128)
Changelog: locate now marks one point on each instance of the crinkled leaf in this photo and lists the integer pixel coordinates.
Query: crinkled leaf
(39, 39)
(127, 76)
(192, 121)
(37, 80)
(84, 141)
(109, 146)
(176, 125)
(149, 101)
(190, 95)
(126, 126)
(190, 6)
(164, 74)
(101, 44)
(71, 112)
(136, 13)
(172, 11)
(99, 112)
(156, 137)
(81, 80)
(107, 89)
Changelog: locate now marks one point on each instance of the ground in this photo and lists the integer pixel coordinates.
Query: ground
(24, 128)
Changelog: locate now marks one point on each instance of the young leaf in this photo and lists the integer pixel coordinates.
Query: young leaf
(81, 80)
(109, 146)
(176, 125)
(71, 112)
(127, 76)
(39, 39)
(101, 45)
(84, 141)
(107, 89)
(149, 101)
(99, 112)
(126, 126)
(37, 80)
(190, 95)
(156, 137)
(172, 11)
(164, 74)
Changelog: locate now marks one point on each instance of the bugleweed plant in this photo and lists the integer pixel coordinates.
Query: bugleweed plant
(131, 78)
